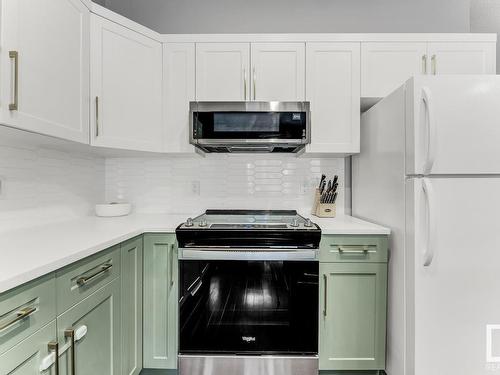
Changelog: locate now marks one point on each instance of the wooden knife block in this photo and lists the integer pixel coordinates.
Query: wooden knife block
(326, 210)
(323, 209)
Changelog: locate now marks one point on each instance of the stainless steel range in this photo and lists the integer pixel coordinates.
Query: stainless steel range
(248, 293)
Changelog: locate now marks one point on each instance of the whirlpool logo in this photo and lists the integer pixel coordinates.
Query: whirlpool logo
(248, 339)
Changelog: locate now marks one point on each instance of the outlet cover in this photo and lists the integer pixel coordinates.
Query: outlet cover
(195, 187)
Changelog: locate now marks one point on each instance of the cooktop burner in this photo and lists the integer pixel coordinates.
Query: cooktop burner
(249, 220)
(249, 229)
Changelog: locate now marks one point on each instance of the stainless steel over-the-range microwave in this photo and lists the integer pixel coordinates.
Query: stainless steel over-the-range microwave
(250, 126)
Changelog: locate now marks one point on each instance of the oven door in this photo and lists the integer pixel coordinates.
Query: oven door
(248, 307)
(249, 122)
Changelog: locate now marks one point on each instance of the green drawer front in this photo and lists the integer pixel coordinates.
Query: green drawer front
(26, 309)
(83, 278)
(353, 249)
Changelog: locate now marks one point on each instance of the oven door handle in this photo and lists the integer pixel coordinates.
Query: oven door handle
(248, 254)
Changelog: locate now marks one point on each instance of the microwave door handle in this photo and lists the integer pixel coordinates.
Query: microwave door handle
(250, 148)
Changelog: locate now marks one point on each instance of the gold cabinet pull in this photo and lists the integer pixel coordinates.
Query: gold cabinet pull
(97, 116)
(14, 55)
(325, 279)
(20, 315)
(254, 84)
(355, 249)
(245, 84)
(171, 265)
(84, 280)
(434, 64)
(71, 334)
(53, 346)
(424, 64)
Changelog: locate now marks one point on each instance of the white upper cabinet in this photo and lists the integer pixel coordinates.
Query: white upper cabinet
(126, 88)
(333, 88)
(462, 58)
(179, 90)
(278, 71)
(44, 66)
(222, 71)
(386, 66)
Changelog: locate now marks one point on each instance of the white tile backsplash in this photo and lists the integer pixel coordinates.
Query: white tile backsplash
(42, 185)
(189, 185)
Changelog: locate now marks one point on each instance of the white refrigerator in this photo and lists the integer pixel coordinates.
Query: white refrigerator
(429, 169)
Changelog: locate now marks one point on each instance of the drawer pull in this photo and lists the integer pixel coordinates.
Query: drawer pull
(325, 279)
(57, 351)
(70, 333)
(171, 265)
(84, 280)
(20, 315)
(14, 106)
(355, 249)
(53, 346)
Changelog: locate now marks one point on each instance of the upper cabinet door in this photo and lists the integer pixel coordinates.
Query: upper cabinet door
(278, 71)
(333, 84)
(45, 67)
(386, 66)
(126, 88)
(462, 58)
(222, 71)
(179, 90)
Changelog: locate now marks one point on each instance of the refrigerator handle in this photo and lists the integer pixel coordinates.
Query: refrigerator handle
(431, 130)
(431, 231)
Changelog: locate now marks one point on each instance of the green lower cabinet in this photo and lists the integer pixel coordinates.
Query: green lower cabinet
(26, 357)
(99, 350)
(131, 306)
(352, 316)
(160, 301)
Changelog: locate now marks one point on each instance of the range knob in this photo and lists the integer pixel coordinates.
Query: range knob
(189, 222)
(295, 223)
(308, 223)
(202, 223)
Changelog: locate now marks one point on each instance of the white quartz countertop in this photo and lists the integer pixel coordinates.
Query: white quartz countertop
(36, 251)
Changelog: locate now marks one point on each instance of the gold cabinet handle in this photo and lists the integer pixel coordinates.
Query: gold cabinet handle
(71, 334)
(325, 301)
(84, 280)
(53, 346)
(97, 116)
(20, 315)
(434, 64)
(254, 76)
(171, 266)
(424, 64)
(245, 84)
(355, 249)
(15, 102)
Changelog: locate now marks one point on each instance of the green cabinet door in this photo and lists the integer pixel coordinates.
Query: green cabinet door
(352, 316)
(131, 306)
(98, 351)
(26, 357)
(160, 301)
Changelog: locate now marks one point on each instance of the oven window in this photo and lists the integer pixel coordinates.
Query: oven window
(251, 307)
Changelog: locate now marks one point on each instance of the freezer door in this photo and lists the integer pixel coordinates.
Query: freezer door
(452, 276)
(453, 125)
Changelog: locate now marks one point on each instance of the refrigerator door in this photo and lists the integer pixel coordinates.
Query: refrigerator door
(453, 125)
(452, 276)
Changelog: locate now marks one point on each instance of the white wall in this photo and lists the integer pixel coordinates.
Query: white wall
(162, 184)
(252, 16)
(485, 18)
(41, 185)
